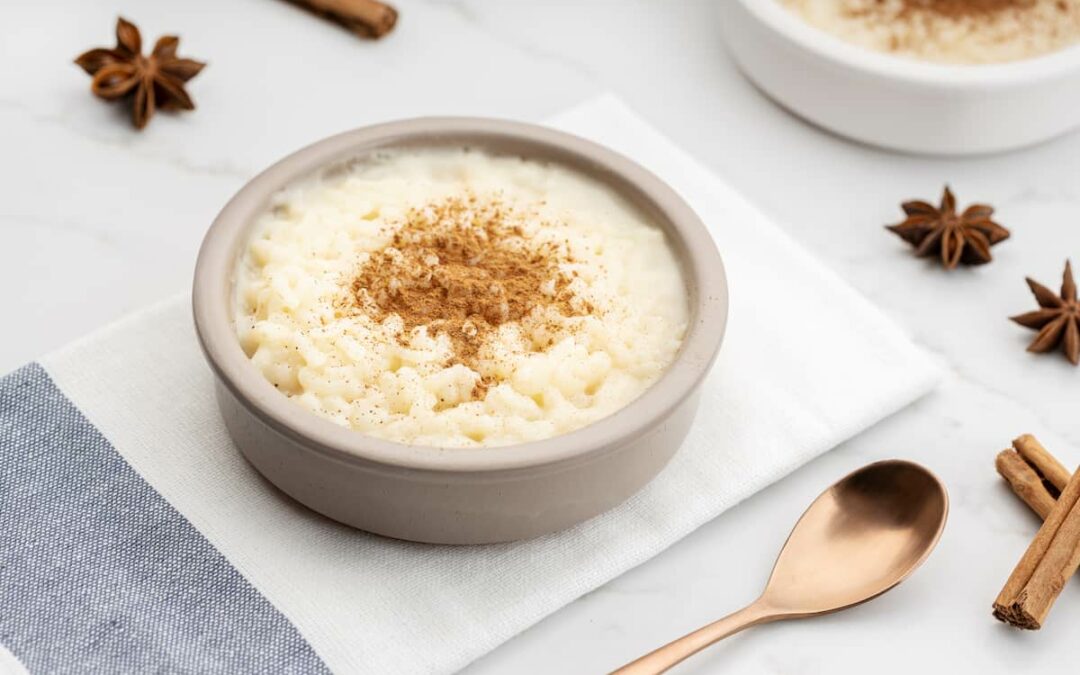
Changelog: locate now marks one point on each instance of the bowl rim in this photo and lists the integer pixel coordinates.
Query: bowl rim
(700, 261)
(980, 76)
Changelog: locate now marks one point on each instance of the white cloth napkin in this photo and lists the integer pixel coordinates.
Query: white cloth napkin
(806, 364)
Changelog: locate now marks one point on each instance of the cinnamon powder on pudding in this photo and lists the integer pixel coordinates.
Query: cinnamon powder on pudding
(463, 267)
(958, 8)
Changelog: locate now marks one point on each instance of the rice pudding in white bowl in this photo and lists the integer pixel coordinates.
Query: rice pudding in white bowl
(946, 77)
(458, 330)
(949, 31)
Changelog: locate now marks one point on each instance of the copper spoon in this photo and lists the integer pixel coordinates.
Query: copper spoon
(861, 537)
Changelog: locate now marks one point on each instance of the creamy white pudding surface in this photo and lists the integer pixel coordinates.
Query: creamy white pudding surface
(949, 31)
(448, 297)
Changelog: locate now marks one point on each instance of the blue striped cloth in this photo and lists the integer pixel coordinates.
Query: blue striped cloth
(99, 574)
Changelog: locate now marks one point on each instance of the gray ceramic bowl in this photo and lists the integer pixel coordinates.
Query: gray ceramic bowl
(454, 495)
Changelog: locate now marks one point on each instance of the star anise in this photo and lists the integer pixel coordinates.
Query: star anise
(1058, 322)
(152, 82)
(958, 238)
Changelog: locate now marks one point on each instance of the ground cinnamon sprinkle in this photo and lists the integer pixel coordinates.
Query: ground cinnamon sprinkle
(958, 8)
(463, 267)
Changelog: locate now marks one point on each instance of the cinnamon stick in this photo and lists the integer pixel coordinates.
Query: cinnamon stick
(1052, 557)
(1046, 464)
(367, 18)
(1025, 482)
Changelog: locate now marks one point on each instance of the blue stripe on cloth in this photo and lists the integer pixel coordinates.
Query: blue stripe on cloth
(99, 574)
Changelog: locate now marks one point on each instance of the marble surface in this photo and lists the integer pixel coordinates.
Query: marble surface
(96, 221)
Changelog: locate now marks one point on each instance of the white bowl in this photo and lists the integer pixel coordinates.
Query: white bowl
(901, 103)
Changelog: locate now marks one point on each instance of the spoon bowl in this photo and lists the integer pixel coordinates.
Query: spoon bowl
(861, 537)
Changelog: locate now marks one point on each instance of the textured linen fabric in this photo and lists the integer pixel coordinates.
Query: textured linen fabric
(99, 574)
(787, 386)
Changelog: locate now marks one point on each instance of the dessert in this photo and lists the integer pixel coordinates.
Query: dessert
(949, 31)
(448, 297)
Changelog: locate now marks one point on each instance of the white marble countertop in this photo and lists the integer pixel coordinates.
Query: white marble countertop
(96, 221)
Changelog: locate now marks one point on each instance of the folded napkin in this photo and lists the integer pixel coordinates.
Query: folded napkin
(134, 537)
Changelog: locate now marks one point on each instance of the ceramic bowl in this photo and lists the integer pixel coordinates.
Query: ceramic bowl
(455, 495)
(901, 103)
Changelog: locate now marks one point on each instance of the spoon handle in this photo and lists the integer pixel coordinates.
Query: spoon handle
(672, 653)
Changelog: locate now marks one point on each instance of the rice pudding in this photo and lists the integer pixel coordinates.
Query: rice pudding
(950, 31)
(448, 297)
